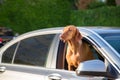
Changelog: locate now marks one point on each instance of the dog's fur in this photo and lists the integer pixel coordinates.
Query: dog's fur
(77, 50)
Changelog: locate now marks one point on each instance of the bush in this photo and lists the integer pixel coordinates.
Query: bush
(27, 15)
(104, 16)
(111, 2)
(96, 4)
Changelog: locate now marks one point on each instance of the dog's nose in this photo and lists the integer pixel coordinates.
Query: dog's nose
(61, 36)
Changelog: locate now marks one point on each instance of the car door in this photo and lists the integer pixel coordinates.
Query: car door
(26, 59)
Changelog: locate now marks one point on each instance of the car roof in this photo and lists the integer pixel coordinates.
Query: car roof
(98, 29)
(87, 30)
(101, 29)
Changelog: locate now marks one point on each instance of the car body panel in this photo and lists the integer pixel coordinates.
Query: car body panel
(18, 72)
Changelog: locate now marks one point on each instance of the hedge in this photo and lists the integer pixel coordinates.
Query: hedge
(27, 15)
(104, 16)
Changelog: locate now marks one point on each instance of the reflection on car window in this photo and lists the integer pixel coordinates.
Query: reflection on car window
(114, 41)
(32, 51)
(8, 54)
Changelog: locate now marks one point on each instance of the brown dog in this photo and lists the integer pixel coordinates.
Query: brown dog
(77, 51)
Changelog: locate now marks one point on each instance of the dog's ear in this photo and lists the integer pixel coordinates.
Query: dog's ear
(78, 35)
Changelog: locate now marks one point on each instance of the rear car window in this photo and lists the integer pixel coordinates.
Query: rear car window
(30, 51)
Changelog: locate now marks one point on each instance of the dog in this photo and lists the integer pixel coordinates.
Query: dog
(77, 50)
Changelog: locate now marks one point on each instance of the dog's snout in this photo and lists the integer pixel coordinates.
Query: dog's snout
(61, 36)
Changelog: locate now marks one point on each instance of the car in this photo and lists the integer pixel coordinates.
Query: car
(40, 55)
(6, 34)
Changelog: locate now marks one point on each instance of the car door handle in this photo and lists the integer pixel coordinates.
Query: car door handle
(55, 76)
(2, 69)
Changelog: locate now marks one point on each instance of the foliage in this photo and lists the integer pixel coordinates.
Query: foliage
(111, 2)
(105, 16)
(26, 15)
(96, 4)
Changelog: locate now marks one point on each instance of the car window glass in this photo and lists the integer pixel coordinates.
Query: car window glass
(8, 54)
(33, 50)
(114, 41)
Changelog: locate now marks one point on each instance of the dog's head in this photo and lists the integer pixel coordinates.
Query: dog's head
(70, 32)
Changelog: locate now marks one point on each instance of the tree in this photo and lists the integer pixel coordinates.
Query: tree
(111, 2)
(82, 4)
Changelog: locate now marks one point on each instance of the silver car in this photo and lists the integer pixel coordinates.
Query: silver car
(40, 55)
